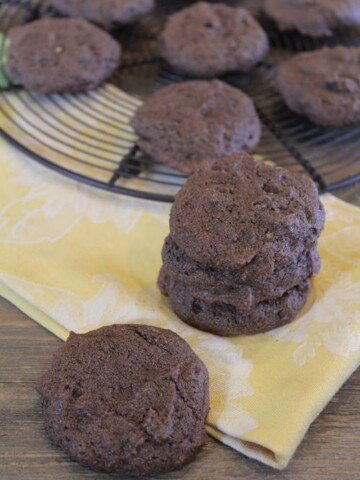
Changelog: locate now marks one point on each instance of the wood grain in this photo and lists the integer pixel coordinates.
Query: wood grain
(330, 450)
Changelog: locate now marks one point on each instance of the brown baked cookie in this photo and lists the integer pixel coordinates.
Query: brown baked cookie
(106, 13)
(209, 39)
(226, 216)
(323, 85)
(250, 284)
(55, 55)
(193, 124)
(126, 398)
(316, 18)
(223, 318)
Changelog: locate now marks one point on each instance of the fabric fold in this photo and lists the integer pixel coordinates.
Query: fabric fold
(74, 258)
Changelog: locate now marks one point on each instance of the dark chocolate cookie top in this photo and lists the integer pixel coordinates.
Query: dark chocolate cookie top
(323, 85)
(106, 13)
(55, 55)
(207, 39)
(192, 124)
(316, 18)
(226, 215)
(126, 398)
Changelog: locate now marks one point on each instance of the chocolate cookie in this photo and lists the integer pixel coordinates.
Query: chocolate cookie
(226, 319)
(207, 39)
(54, 55)
(127, 398)
(316, 18)
(250, 284)
(323, 85)
(192, 124)
(106, 13)
(226, 216)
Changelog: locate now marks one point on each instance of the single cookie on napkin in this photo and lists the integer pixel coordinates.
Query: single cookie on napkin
(127, 398)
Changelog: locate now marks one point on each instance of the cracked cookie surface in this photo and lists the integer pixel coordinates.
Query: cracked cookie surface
(206, 40)
(323, 85)
(61, 55)
(239, 209)
(126, 398)
(191, 125)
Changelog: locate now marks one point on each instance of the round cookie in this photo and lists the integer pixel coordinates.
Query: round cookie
(323, 85)
(316, 18)
(193, 124)
(127, 398)
(56, 55)
(228, 215)
(225, 319)
(251, 284)
(207, 39)
(106, 13)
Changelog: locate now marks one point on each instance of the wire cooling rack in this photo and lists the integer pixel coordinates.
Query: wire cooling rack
(88, 137)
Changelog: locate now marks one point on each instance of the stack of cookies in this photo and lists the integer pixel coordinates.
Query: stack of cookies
(242, 247)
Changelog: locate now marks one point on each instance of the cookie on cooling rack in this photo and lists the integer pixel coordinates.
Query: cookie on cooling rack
(105, 13)
(316, 18)
(127, 398)
(323, 85)
(192, 124)
(54, 55)
(206, 40)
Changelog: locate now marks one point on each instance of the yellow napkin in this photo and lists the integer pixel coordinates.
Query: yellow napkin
(74, 258)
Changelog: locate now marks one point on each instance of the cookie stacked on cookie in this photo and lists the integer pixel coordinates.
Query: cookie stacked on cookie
(242, 247)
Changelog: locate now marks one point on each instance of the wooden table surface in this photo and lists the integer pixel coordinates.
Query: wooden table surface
(330, 450)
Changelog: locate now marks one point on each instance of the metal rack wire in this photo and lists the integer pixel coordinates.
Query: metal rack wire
(87, 137)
